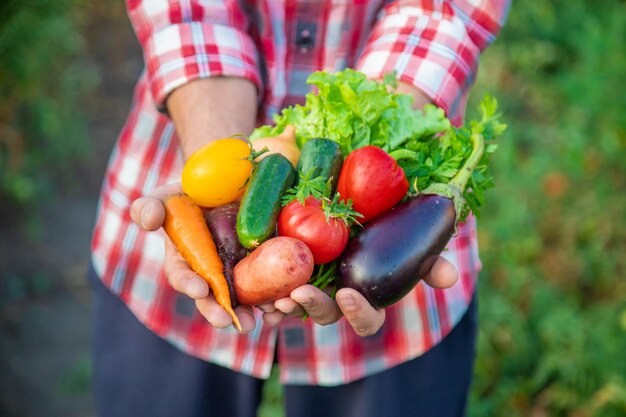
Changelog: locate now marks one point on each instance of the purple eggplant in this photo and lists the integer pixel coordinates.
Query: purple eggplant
(386, 259)
(390, 255)
(222, 222)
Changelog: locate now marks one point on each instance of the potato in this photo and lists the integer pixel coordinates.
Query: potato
(273, 270)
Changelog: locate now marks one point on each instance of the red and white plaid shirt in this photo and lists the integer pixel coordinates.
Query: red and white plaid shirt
(434, 45)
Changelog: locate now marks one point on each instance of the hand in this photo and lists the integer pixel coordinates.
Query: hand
(364, 319)
(148, 212)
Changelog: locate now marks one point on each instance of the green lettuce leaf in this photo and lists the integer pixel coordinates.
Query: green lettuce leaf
(354, 111)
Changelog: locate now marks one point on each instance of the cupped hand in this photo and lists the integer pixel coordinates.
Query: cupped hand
(149, 213)
(364, 319)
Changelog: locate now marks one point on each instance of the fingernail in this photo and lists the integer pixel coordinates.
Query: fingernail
(267, 308)
(195, 289)
(244, 329)
(145, 215)
(303, 297)
(305, 301)
(347, 301)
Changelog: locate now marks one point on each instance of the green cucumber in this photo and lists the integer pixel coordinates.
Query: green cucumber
(260, 204)
(324, 157)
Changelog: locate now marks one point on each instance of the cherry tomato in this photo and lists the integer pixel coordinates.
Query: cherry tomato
(373, 180)
(216, 174)
(307, 223)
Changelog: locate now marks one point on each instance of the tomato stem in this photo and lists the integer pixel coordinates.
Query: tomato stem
(255, 154)
(307, 187)
(340, 209)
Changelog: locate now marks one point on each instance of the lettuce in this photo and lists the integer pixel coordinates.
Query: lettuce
(354, 111)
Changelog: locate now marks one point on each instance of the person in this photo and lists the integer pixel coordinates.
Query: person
(162, 345)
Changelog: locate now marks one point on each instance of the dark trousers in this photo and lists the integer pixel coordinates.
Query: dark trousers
(138, 374)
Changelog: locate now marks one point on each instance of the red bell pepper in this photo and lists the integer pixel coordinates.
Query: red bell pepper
(373, 180)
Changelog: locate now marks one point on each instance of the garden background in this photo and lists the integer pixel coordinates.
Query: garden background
(552, 235)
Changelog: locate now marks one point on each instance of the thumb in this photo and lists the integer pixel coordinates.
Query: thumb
(364, 319)
(148, 211)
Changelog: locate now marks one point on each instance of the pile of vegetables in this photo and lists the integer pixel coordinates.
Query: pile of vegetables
(353, 189)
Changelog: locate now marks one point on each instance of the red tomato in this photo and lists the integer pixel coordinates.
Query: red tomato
(373, 180)
(307, 223)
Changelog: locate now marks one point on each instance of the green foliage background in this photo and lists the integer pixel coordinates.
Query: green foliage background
(42, 82)
(553, 230)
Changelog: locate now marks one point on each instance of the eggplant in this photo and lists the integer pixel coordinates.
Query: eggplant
(222, 222)
(396, 249)
(386, 259)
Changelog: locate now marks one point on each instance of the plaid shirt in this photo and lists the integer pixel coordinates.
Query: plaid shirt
(434, 45)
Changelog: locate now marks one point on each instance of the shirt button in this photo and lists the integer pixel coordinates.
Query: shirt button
(305, 39)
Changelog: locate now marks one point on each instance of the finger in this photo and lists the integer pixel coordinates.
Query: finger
(162, 192)
(148, 211)
(443, 274)
(267, 307)
(213, 312)
(364, 319)
(273, 318)
(245, 314)
(180, 276)
(218, 317)
(289, 307)
(319, 306)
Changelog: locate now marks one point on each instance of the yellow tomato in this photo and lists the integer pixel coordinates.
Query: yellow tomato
(216, 174)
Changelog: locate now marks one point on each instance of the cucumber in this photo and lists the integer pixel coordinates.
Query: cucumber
(260, 204)
(324, 157)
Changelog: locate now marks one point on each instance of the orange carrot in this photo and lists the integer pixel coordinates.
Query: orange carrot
(185, 225)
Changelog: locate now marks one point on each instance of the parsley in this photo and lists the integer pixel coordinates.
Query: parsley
(355, 111)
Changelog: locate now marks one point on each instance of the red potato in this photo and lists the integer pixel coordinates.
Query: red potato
(274, 269)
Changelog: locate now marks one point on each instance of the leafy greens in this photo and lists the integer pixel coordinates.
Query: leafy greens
(354, 111)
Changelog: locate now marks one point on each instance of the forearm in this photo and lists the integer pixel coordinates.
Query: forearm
(434, 46)
(212, 108)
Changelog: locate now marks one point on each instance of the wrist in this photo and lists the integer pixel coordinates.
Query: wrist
(420, 98)
(207, 109)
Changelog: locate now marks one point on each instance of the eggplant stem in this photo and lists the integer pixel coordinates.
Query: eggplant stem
(462, 177)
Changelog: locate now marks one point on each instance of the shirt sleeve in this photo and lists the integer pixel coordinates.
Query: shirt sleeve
(186, 40)
(435, 46)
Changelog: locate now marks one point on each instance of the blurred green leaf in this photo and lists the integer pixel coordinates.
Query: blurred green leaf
(44, 79)
(553, 233)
